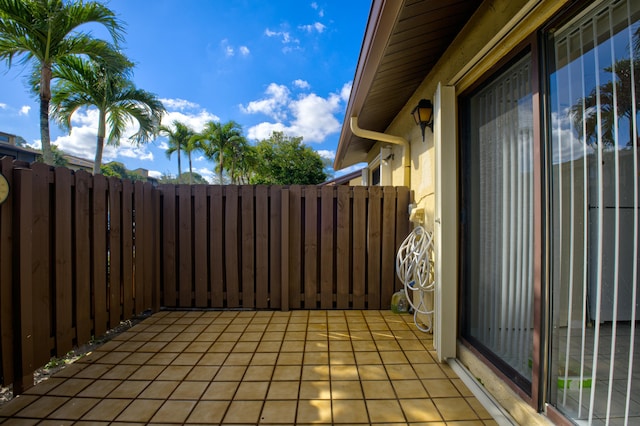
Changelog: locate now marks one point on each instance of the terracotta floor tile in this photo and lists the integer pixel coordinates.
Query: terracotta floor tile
(350, 412)
(384, 411)
(251, 336)
(292, 346)
(106, 410)
(114, 357)
(138, 358)
(400, 371)
(266, 358)
(70, 387)
(274, 333)
(238, 359)
(368, 358)
(286, 372)
(42, 407)
(265, 346)
(205, 338)
(224, 347)
(363, 345)
(152, 346)
(314, 411)
(278, 412)
(208, 412)
(16, 404)
(315, 372)
(70, 370)
(247, 412)
(440, 388)
(316, 345)
(99, 389)
(429, 371)
(372, 372)
(92, 371)
(159, 389)
(202, 373)
(174, 372)
(290, 358)
(189, 390)
(230, 373)
(479, 408)
(129, 389)
(462, 388)
(162, 358)
(454, 409)
(258, 373)
(341, 358)
(378, 389)
(212, 359)
(140, 410)
(249, 347)
(283, 390)
(409, 389)
(420, 410)
(120, 372)
(251, 391)
(46, 386)
(187, 358)
(350, 389)
(321, 358)
(74, 408)
(344, 372)
(175, 346)
(174, 412)
(419, 357)
(220, 390)
(315, 389)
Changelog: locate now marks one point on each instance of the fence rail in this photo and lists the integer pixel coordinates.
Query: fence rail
(80, 253)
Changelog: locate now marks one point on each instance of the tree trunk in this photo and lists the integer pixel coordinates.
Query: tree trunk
(179, 165)
(45, 98)
(100, 142)
(190, 171)
(221, 167)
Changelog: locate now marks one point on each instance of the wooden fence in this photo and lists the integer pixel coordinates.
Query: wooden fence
(298, 247)
(79, 254)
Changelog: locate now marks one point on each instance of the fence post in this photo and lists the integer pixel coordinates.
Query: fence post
(6, 276)
(284, 254)
(23, 213)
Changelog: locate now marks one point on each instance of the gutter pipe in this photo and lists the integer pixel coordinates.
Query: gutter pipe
(384, 137)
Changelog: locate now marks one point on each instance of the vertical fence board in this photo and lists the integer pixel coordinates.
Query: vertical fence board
(284, 258)
(327, 247)
(127, 249)
(262, 247)
(275, 247)
(402, 223)
(99, 254)
(248, 247)
(231, 247)
(201, 278)
(24, 282)
(169, 245)
(115, 250)
(216, 239)
(138, 246)
(185, 279)
(295, 246)
(388, 246)
(311, 247)
(82, 216)
(42, 297)
(374, 251)
(343, 247)
(155, 262)
(6, 275)
(149, 245)
(359, 255)
(63, 262)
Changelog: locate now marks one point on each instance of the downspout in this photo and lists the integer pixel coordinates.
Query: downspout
(383, 137)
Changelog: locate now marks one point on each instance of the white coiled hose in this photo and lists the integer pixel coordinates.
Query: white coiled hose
(414, 268)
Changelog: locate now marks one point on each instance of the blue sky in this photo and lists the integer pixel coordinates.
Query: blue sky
(282, 65)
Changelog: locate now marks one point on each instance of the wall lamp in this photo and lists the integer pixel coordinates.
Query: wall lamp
(423, 115)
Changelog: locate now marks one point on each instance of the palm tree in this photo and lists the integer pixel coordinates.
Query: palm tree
(217, 140)
(179, 136)
(43, 32)
(193, 144)
(86, 83)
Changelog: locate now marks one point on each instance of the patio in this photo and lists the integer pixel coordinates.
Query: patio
(257, 367)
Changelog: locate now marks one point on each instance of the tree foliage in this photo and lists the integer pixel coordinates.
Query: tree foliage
(117, 169)
(284, 160)
(84, 83)
(44, 32)
(181, 137)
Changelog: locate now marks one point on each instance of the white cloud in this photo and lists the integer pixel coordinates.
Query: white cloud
(244, 50)
(290, 43)
(163, 146)
(24, 110)
(207, 173)
(350, 169)
(200, 158)
(155, 174)
(274, 105)
(180, 104)
(310, 116)
(327, 154)
(228, 51)
(316, 26)
(315, 6)
(3, 106)
(302, 84)
(345, 92)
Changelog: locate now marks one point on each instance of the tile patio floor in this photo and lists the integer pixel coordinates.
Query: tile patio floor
(250, 368)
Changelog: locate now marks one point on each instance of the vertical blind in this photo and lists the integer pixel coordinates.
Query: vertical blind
(499, 284)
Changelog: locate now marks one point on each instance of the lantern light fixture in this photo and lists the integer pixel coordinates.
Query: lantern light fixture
(423, 115)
